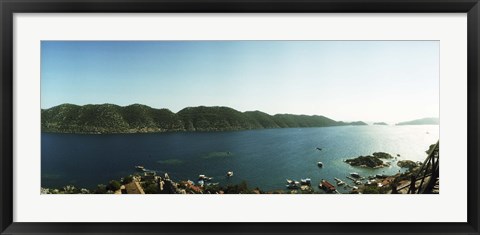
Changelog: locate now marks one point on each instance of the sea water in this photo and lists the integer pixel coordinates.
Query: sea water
(263, 158)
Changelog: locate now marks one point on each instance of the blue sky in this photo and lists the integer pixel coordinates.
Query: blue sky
(387, 81)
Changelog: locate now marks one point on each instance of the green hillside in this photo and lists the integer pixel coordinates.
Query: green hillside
(137, 118)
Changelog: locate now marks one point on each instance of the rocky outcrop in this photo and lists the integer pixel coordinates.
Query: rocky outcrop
(382, 155)
(371, 161)
(407, 164)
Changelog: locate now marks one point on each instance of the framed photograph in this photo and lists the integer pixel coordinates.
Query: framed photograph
(239, 117)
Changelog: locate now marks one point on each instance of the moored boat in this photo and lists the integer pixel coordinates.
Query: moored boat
(140, 168)
(327, 186)
(306, 181)
(293, 184)
(339, 182)
(320, 164)
(204, 178)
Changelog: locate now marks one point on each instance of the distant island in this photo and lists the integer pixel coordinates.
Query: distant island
(423, 121)
(380, 123)
(137, 118)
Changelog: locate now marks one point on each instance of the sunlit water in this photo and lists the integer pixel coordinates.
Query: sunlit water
(263, 158)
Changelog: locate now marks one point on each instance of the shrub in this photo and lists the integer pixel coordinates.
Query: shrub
(151, 187)
(114, 185)
(101, 189)
(127, 179)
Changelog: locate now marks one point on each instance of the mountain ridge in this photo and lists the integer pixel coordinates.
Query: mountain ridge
(139, 118)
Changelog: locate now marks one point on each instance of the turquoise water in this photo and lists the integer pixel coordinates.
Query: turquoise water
(264, 158)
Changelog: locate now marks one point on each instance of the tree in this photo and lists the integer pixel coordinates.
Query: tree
(151, 187)
(371, 190)
(127, 179)
(114, 185)
(394, 186)
(101, 189)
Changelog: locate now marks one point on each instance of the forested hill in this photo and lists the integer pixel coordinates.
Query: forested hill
(109, 118)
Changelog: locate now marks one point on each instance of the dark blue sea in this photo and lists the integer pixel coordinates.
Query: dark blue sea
(263, 158)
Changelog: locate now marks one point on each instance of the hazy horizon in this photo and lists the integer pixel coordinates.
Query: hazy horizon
(371, 81)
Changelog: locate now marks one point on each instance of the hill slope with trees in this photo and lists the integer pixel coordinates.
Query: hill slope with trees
(137, 118)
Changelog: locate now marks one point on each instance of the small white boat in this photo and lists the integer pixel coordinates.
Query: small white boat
(339, 182)
(140, 168)
(204, 178)
(293, 182)
(320, 164)
(306, 181)
(230, 174)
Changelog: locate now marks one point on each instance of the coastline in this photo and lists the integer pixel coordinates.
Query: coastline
(148, 182)
(164, 185)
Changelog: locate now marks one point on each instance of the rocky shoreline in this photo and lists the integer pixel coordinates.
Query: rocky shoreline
(149, 183)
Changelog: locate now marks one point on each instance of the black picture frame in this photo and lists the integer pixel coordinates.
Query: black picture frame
(9, 7)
